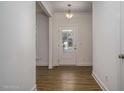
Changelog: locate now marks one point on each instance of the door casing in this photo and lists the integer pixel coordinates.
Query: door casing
(75, 28)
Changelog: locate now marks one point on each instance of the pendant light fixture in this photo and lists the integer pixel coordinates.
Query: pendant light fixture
(69, 14)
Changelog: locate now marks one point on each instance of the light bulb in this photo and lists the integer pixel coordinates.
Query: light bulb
(69, 15)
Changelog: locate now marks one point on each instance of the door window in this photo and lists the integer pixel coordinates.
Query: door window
(67, 40)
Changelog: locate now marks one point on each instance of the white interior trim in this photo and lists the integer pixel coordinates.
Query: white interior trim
(99, 82)
(42, 64)
(50, 43)
(83, 64)
(75, 27)
(46, 7)
(34, 88)
(49, 13)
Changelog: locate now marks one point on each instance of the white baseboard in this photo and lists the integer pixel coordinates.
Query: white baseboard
(41, 64)
(34, 88)
(50, 67)
(84, 64)
(99, 82)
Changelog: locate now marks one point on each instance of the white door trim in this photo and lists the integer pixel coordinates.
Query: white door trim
(49, 12)
(50, 66)
(76, 33)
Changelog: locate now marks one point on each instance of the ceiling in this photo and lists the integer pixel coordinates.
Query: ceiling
(77, 6)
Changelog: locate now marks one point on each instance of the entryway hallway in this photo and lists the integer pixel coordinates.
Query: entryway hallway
(66, 78)
(69, 45)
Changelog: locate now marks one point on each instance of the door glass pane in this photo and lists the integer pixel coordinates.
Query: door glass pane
(67, 40)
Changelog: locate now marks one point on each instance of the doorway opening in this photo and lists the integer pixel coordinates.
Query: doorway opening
(42, 36)
(64, 51)
(67, 45)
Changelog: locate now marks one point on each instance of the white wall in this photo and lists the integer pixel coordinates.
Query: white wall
(17, 45)
(84, 42)
(106, 28)
(122, 48)
(42, 45)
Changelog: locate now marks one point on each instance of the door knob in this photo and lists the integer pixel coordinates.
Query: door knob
(121, 56)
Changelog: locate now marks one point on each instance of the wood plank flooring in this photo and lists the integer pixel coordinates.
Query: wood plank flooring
(66, 78)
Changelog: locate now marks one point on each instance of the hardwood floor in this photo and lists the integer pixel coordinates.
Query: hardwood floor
(66, 78)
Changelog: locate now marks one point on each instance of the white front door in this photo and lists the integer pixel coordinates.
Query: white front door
(122, 48)
(67, 45)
